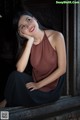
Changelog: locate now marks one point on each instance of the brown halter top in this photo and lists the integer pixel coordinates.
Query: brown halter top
(44, 61)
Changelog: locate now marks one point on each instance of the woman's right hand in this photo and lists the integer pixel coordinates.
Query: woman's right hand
(30, 38)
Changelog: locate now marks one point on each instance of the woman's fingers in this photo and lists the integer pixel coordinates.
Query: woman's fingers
(32, 86)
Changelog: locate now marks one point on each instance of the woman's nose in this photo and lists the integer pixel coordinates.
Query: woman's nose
(27, 26)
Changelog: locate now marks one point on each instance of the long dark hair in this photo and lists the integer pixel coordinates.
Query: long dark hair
(20, 40)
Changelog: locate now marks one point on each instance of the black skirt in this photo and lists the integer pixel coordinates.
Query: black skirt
(17, 94)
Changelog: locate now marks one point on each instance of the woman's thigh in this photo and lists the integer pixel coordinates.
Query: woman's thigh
(16, 91)
(19, 80)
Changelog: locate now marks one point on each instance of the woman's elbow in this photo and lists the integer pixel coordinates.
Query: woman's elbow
(19, 69)
(63, 70)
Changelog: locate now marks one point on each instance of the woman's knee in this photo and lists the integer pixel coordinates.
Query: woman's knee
(16, 73)
(19, 77)
(15, 76)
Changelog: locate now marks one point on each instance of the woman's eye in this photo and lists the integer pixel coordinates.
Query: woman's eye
(28, 19)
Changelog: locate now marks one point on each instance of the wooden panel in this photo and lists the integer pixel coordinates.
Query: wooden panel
(74, 115)
(67, 47)
(74, 50)
(78, 50)
(61, 107)
(74, 43)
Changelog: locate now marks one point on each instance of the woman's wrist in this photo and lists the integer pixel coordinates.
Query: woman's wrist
(30, 42)
(39, 85)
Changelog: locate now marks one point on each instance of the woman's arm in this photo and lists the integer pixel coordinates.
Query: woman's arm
(22, 62)
(61, 53)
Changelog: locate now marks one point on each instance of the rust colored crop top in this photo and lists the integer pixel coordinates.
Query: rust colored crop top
(44, 61)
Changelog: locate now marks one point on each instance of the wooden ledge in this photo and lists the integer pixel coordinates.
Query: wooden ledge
(63, 105)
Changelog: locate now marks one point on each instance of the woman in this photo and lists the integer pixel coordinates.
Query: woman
(46, 51)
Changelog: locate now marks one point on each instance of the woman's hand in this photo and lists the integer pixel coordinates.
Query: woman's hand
(22, 34)
(32, 86)
(30, 38)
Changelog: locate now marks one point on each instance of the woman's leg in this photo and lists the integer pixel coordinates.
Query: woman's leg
(15, 91)
(17, 94)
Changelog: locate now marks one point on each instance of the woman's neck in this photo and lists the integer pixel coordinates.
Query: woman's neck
(39, 36)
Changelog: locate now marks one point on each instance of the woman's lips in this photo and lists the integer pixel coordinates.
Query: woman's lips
(31, 29)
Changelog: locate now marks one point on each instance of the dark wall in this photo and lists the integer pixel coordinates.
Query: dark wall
(8, 44)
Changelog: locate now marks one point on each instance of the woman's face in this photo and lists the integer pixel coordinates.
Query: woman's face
(27, 25)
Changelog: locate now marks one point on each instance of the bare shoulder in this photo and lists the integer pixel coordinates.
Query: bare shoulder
(49, 32)
(55, 36)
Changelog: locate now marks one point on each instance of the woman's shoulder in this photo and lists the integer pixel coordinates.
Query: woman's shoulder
(53, 33)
